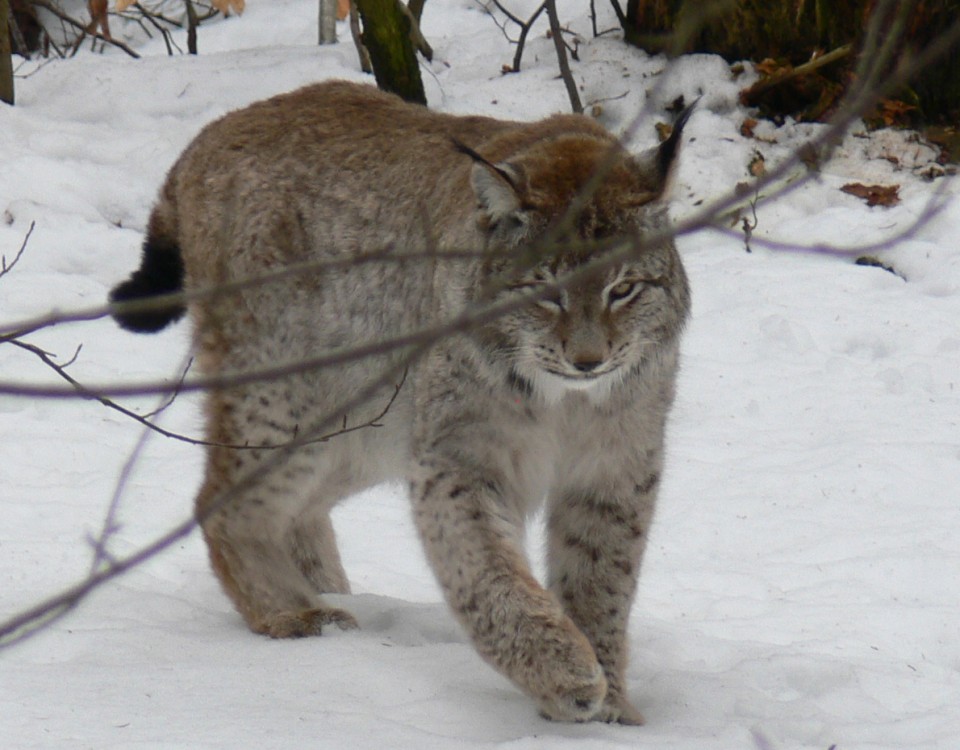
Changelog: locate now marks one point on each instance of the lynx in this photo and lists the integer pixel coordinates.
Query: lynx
(559, 398)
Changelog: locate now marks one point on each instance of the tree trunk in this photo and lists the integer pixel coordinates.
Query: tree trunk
(6, 55)
(328, 21)
(386, 36)
(192, 23)
(793, 31)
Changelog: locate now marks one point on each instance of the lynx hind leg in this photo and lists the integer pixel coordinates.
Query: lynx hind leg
(258, 570)
(313, 544)
(259, 533)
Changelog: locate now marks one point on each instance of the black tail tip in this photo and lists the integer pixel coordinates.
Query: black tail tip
(141, 303)
(140, 309)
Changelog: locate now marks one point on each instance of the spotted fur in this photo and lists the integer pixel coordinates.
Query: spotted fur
(563, 398)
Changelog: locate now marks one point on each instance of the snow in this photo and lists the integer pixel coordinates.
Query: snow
(801, 585)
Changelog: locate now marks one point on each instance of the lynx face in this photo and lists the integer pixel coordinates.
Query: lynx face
(589, 334)
(589, 324)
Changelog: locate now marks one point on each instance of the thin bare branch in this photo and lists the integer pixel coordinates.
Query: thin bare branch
(561, 48)
(413, 345)
(858, 102)
(83, 28)
(35, 619)
(5, 267)
(86, 392)
(154, 19)
(296, 270)
(100, 543)
(525, 27)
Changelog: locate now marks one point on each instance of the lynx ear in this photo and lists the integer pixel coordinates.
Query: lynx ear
(496, 186)
(667, 151)
(655, 166)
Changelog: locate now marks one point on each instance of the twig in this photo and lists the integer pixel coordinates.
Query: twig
(192, 23)
(525, 27)
(524, 31)
(561, 47)
(86, 392)
(171, 397)
(748, 227)
(19, 43)
(294, 270)
(31, 621)
(26, 623)
(859, 101)
(152, 19)
(47, 5)
(751, 95)
(417, 39)
(939, 202)
(5, 268)
(366, 65)
(621, 18)
(101, 556)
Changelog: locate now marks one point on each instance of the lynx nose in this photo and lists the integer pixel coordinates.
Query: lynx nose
(587, 365)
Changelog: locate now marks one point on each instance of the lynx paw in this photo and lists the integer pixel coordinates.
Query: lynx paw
(305, 622)
(619, 711)
(577, 697)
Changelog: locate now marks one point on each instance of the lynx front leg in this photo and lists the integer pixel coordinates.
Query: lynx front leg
(596, 543)
(472, 540)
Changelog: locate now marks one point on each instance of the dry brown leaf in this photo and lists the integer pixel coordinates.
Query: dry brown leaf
(894, 112)
(226, 6)
(758, 165)
(122, 5)
(874, 195)
(747, 126)
(769, 67)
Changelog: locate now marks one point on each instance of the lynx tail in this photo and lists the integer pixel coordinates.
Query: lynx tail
(160, 274)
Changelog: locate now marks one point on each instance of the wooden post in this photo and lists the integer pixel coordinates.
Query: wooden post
(6, 54)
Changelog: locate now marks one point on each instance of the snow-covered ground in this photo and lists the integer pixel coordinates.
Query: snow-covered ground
(802, 583)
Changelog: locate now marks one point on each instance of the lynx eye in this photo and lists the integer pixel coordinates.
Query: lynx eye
(512, 222)
(552, 299)
(621, 291)
(548, 296)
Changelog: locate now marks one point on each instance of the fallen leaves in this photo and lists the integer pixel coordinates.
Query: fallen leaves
(894, 112)
(874, 195)
(224, 6)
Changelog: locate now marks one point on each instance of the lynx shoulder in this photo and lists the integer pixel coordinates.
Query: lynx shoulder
(336, 220)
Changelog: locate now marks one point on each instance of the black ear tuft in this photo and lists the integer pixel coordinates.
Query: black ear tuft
(463, 148)
(667, 151)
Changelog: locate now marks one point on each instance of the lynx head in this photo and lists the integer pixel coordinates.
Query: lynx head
(551, 213)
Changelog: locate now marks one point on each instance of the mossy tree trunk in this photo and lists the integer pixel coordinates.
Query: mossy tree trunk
(792, 31)
(387, 37)
(6, 58)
